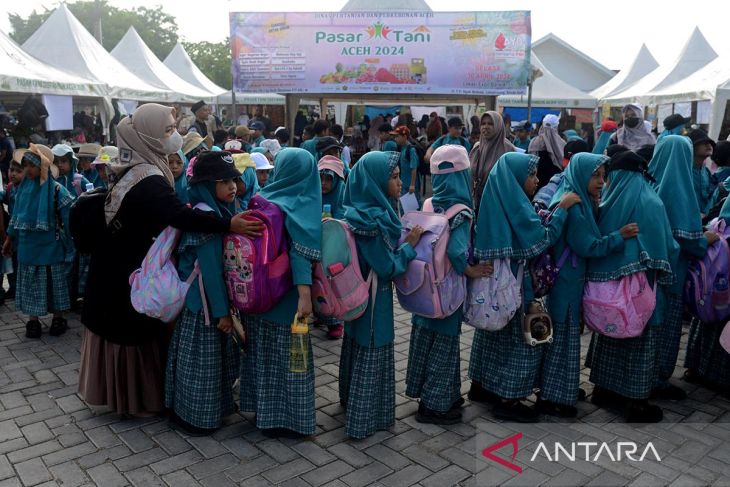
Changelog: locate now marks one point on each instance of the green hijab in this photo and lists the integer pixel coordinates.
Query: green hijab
(335, 197)
(451, 189)
(204, 192)
(295, 188)
(629, 198)
(368, 210)
(181, 182)
(252, 187)
(671, 166)
(507, 224)
(725, 210)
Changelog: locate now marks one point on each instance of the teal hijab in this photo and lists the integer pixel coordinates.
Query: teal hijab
(725, 210)
(295, 188)
(507, 224)
(571, 135)
(629, 198)
(368, 210)
(675, 131)
(336, 197)
(602, 142)
(181, 182)
(451, 189)
(576, 178)
(67, 180)
(671, 166)
(34, 204)
(260, 150)
(252, 187)
(204, 192)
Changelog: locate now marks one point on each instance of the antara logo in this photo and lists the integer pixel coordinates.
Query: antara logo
(378, 29)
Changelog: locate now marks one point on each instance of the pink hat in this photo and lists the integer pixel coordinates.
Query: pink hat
(454, 154)
(333, 164)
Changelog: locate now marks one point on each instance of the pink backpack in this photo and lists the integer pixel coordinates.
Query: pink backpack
(619, 308)
(430, 287)
(338, 289)
(157, 290)
(257, 271)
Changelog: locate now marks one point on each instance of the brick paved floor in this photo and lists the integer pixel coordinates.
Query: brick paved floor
(48, 436)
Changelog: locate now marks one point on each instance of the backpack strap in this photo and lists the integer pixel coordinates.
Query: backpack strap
(196, 274)
(373, 281)
(450, 213)
(427, 206)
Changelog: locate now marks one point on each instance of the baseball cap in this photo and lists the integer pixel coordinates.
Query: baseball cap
(455, 122)
(327, 143)
(402, 130)
(233, 144)
(675, 120)
(449, 158)
(214, 166)
(262, 163)
(242, 131)
(257, 125)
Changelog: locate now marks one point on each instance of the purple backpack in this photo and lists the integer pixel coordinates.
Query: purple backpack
(706, 290)
(257, 271)
(543, 268)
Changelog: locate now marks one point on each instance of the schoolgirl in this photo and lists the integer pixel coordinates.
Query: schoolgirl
(671, 167)
(86, 156)
(263, 168)
(39, 225)
(503, 368)
(367, 367)
(434, 372)
(624, 370)
(178, 165)
(202, 361)
(580, 240)
(67, 163)
(108, 155)
(284, 400)
(247, 185)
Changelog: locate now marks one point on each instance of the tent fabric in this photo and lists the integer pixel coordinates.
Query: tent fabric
(385, 5)
(520, 113)
(180, 63)
(64, 43)
(643, 64)
(569, 64)
(133, 53)
(549, 91)
(22, 73)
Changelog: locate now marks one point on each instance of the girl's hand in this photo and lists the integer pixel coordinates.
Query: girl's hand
(483, 269)
(248, 228)
(7, 250)
(304, 306)
(712, 237)
(568, 200)
(628, 231)
(414, 235)
(225, 324)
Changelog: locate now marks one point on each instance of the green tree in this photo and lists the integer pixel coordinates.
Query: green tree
(157, 28)
(213, 59)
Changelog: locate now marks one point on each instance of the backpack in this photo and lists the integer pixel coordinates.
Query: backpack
(156, 288)
(491, 302)
(431, 287)
(619, 308)
(257, 271)
(543, 268)
(86, 220)
(424, 168)
(338, 288)
(32, 113)
(544, 196)
(706, 291)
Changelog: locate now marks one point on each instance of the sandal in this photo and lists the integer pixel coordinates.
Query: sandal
(58, 326)
(33, 329)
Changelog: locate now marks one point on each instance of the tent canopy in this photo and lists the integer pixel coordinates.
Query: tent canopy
(569, 64)
(549, 91)
(643, 64)
(179, 62)
(387, 5)
(65, 44)
(22, 73)
(134, 54)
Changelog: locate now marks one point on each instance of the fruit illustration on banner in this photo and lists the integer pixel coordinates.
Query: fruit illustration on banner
(500, 43)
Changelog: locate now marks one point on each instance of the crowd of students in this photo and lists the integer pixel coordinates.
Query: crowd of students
(626, 209)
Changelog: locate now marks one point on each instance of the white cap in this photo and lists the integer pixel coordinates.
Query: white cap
(233, 145)
(262, 163)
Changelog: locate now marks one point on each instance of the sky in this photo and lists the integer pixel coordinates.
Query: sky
(611, 32)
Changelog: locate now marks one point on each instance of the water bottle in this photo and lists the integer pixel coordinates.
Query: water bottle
(89, 187)
(327, 211)
(299, 346)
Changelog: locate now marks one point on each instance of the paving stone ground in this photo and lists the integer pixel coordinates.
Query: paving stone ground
(49, 437)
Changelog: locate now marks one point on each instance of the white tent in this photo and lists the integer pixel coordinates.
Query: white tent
(388, 5)
(696, 54)
(549, 91)
(643, 64)
(180, 63)
(22, 73)
(133, 53)
(65, 44)
(569, 64)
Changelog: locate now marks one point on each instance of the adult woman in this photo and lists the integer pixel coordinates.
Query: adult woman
(492, 145)
(434, 129)
(549, 146)
(633, 134)
(122, 354)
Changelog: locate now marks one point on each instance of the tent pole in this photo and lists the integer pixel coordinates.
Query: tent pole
(529, 102)
(291, 105)
(233, 107)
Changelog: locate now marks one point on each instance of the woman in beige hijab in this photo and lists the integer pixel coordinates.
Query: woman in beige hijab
(492, 144)
(123, 352)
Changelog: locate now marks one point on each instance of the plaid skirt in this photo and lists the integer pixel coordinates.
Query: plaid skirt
(367, 387)
(280, 398)
(433, 373)
(202, 365)
(42, 289)
(503, 363)
(625, 366)
(668, 340)
(705, 355)
(560, 377)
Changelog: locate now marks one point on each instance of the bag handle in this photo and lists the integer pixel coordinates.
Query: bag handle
(196, 274)
(450, 213)
(564, 257)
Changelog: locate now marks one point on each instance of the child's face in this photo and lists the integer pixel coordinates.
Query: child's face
(225, 190)
(240, 187)
(401, 140)
(455, 131)
(175, 165)
(15, 173)
(531, 184)
(85, 163)
(31, 170)
(262, 176)
(395, 184)
(101, 169)
(595, 184)
(63, 164)
(327, 183)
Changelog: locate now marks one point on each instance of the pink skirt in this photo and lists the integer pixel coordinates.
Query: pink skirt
(128, 379)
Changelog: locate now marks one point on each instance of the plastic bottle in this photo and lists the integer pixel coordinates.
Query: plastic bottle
(89, 187)
(327, 211)
(299, 346)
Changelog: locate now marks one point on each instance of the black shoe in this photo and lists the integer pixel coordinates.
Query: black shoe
(671, 392)
(282, 433)
(58, 327)
(582, 394)
(458, 403)
(10, 293)
(556, 409)
(640, 411)
(33, 329)
(188, 428)
(479, 394)
(604, 398)
(514, 410)
(429, 416)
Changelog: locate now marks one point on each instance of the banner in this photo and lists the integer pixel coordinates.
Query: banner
(454, 53)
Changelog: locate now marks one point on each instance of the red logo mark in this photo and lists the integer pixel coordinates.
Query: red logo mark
(512, 440)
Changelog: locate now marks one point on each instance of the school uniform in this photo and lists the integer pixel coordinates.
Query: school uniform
(249, 178)
(702, 182)
(280, 398)
(93, 176)
(408, 162)
(581, 238)
(449, 140)
(181, 182)
(367, 364)
(202, 361)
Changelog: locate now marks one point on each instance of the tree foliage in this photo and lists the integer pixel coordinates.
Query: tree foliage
(213, 59)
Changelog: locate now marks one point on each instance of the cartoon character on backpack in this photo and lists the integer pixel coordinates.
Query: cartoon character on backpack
(236, 261)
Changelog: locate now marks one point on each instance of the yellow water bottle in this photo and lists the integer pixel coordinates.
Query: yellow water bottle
(327, 211)
(299, 346)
